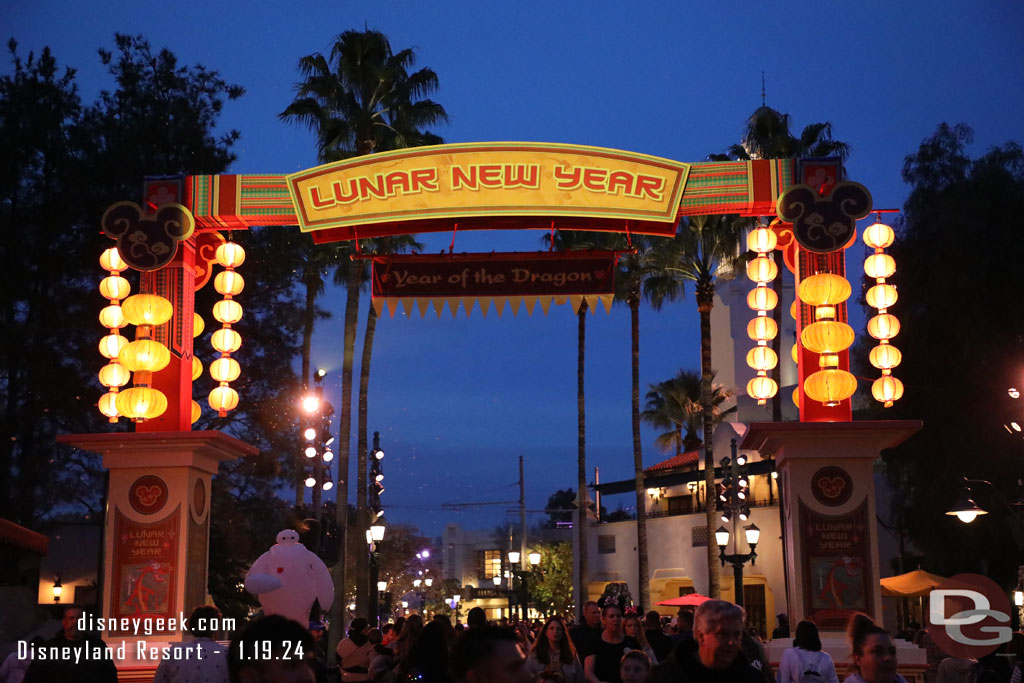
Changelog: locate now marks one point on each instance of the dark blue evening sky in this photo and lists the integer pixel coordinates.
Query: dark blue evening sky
(457, 400)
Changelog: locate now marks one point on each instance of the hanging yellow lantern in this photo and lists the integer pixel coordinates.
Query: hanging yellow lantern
(828, 360)
(144, 355)
(887, 389)
(197, 411)
(795, 396)
(108, 405)
(827, 337)
(879, 236)
(223, 399)
(147, 309)
(824, 289)
(793, 309)
(111, 260)
(225, 369)
(114, 287)
(830, 386)
(230, 255)
(762, 358)
(762, 388)
(885, 356)
(114, 374)
(795, 352)
(226, 340)
(197, 368)
(198, 325)
(762, 240)
(228, 283)
(227, 311)
(762, 299)
(762, 328)
(141, 403)
(112, 345)
(884, 326)
(762, 269)
(881, 296)
(879, 266)
(112, 317)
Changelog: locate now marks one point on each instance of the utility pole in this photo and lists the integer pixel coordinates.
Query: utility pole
(522, 535)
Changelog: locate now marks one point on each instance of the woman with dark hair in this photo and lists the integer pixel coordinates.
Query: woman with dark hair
(605, 655)
(354, 653)
(805, 661)
(553, 656)
(411, 630)
(874, 654)
(428, 657)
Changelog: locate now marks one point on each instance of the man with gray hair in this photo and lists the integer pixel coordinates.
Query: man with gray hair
(714, 653)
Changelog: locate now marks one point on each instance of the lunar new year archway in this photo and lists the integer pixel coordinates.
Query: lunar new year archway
(182, 231)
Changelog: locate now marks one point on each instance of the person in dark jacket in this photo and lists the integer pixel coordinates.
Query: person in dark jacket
(714, 655)
(95, 660)
(659, 642)
(584, 635)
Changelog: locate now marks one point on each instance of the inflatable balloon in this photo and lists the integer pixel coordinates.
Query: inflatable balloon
(288, 578)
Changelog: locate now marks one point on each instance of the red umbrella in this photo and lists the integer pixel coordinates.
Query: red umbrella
(691, 600)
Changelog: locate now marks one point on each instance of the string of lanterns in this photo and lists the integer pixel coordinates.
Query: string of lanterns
(115, 288)
(883, 326)
(226, 340)
(827, 337)
(762, 328)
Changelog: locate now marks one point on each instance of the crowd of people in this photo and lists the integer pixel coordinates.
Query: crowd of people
(711, 645)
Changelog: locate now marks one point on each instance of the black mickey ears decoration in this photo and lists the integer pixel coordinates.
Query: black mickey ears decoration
(824, 223)
(147, 242)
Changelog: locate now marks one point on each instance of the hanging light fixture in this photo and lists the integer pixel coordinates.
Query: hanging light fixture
(113, 375)
(762, 329)
(227, 312)
(827, 337)
(883, 326)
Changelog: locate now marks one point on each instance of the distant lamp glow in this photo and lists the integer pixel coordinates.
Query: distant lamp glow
(310, 482)
(328, 485)
(416, 583)
(497, 580)
(328, 456)
(425, 553)
(310, 434)
(428, 582)
(310, 452)
(377, 532)
(1018, 598)
(382, 586)
(310, 404)
(58, 589)
(534, 558)
(513, 556)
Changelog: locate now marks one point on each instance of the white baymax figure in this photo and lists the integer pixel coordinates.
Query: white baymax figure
(288, 578)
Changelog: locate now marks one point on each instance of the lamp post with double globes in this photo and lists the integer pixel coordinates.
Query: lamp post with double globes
(737, 560)
(522, 574)
(374, 535)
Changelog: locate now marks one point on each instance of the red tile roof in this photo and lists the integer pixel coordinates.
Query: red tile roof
(17, 536)
(687, 459)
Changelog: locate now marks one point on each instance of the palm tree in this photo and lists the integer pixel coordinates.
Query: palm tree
(707, 247)
(641, 274)
(674, 405)
(566, 240)
(360, 99)
(767, 136)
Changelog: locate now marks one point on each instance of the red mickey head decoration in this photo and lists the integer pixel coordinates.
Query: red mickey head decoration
(148, 494)
(831, 486)
(824, 223)
(147, 242)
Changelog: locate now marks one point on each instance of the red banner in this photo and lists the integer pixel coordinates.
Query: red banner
(145, 568)
(837, 564)
(499, 278)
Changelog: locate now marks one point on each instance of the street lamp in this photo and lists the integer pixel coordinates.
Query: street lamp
(428, 582)
(737, 560)
(58, 588)
(534, 558)
(377, 530)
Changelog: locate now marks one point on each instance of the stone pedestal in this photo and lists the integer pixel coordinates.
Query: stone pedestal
(157, 525)
(828, 513)
(829, 532)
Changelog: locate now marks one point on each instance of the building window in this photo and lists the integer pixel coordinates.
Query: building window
(488, 565)
(605, 545)
(698, 536)
(680, 505)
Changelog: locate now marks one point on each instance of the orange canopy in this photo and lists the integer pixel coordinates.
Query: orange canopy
(910, 585)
